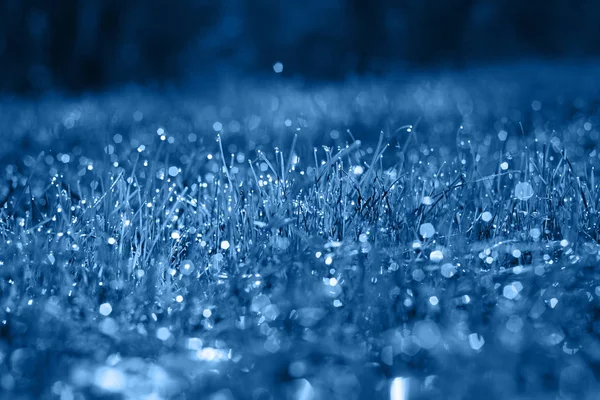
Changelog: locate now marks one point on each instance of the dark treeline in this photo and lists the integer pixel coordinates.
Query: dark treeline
(89, 44)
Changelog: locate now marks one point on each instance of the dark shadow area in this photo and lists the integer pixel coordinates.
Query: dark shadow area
(80, 45)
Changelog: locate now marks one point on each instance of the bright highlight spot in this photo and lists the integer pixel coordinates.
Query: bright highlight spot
(163, 333)
(105, 309)
(486, 216)
(427, 230)
(448, 270)
(110, 379)
(173, 171)
(476, 341)
(399, 389)
(278, 67)
(436, 256)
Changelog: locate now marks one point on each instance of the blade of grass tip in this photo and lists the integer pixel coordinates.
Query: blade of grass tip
(403, 127)
(367, 175)
(150, 181)
(111, 188)
(281, 165)
(379, 157)
(535, 166)
(126, 201)
(26, 187)
(132, 175)
(316, 167)
(266, 160)
(260, 192)
(545, 159)
(568, 161)
(354, 141)
(39, 225)
(407, 141)
(522, 130)
(411, 129)
(167, 220)
(585, 204)
(334, 159)
(291, 157)
(328, 165)
(557, 167)
(351, 135)
(255, 178)
(354, 184)
(392, 185)
(271, 167)
(593, 180)
(225, 169)
(140, 212)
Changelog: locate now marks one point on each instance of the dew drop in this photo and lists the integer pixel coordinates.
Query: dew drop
(105, 309)
(523, 191)
(427, 230)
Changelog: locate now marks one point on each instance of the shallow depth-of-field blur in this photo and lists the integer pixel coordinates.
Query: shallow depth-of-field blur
(422, 237)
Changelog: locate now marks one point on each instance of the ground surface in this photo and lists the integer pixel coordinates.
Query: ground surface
(409, 238)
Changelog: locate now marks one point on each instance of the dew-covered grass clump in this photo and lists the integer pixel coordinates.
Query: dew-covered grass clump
(433, 239)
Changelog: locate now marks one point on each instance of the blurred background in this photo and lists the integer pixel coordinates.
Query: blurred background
(86, 45)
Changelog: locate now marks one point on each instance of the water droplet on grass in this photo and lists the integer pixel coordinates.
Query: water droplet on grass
(418, 275)
(535, 233)
(514, 323)
(110, 379)
(105, 309)
(512, 290)
(427, 230)
(436, 256)
(163, 333)
(523, 191)
(486, 216)
(448, 270)
(278, 67)
(427, 333)
(476, 341)
(187, 267)
(173, 171)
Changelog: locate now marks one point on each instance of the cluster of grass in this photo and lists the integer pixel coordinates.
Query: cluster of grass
(364, 269)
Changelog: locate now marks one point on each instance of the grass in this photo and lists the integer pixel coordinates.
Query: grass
(428, 261)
